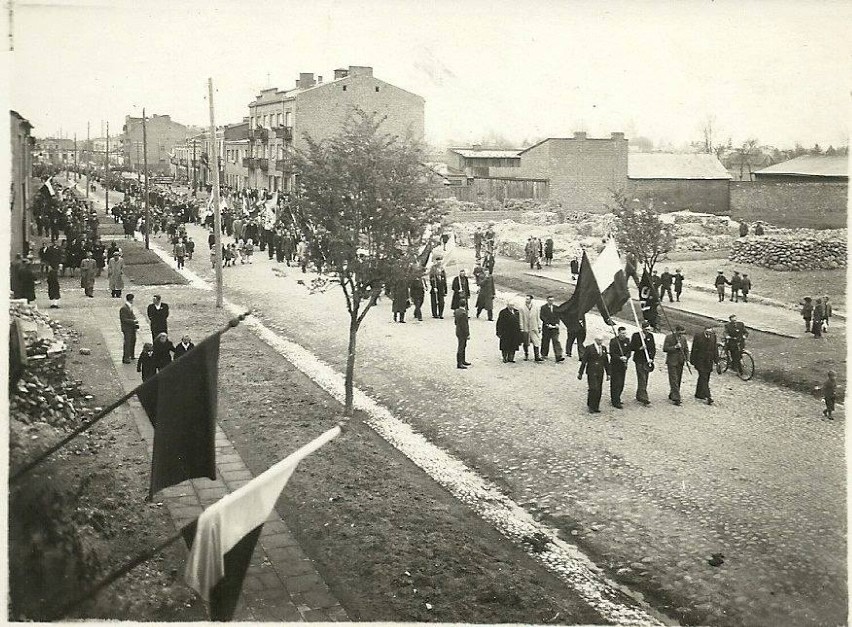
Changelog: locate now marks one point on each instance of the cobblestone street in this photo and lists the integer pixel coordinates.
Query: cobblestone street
(650, 492)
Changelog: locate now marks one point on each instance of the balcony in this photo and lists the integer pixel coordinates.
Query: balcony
(285, 133)
(263, 164)
(248, 162)
(284, 165)
(259, 134)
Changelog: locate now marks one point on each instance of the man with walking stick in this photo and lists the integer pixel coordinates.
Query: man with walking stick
(644, 350)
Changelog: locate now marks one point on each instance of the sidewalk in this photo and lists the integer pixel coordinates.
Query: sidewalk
(282, 583)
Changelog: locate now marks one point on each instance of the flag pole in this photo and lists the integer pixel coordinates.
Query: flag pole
(641, 335)
(145, 158)
(120, 572)
(217, 215)
(107, 410)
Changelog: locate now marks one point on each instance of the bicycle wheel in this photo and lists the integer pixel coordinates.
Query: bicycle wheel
(722, 365)
(746, 366)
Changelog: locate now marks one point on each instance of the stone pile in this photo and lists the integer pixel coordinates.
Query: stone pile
(790, 254)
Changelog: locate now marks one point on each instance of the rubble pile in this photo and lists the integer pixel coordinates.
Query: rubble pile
(790, 253)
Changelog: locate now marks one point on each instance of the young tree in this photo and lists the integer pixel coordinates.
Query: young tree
(364, 204)
(639, 232)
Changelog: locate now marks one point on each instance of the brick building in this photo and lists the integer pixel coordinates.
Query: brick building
(676, 182)
(280, 120)
(163, 136)
(55, 150)
(21, 190)
(581, 172)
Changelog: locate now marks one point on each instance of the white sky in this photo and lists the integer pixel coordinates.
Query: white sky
(775, 70)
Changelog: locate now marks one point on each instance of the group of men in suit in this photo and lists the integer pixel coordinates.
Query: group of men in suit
(598, 362)
(158, 318)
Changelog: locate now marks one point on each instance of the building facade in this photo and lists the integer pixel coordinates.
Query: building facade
(677, 182)
(582, 172)
(20, 133)
(279, 121)
(163, 135)
(236, 152)
(478, 161)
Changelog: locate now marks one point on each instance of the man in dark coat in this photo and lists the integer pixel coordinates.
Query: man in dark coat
(400, 300)
(704, 357)
(720, 284)
(595, 363)
(619, 354)
(509, 331)
(677, 353)
(735, 336)
(418, 293)
(158, 316)
(129, 324)
(666, 285)
(184, 347)
(550, 330)
(26, 280)
(576, 332)
(485, 298)
(736, 286)
(462, 335)
(644, 350)
(437, 289)
(461, 290)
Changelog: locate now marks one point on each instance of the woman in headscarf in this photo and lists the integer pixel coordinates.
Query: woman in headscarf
(163, 349)
(115, 272)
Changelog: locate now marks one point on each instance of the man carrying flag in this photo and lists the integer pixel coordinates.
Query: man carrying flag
(648, 300)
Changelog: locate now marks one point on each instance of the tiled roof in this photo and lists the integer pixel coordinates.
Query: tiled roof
(675, 166)
(810, 165)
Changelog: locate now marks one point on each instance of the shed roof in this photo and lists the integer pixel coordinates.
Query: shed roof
(470, 153)
(655, 165)
(810, 165)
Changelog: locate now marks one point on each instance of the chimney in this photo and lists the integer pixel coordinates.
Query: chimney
(617, 135)
(579, 134)
(340, 74)
(306, 79)
(360, 70)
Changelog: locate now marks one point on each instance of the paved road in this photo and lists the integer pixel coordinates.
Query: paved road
(649, 492)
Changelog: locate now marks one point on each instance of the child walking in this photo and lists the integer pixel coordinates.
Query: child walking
(829, 394)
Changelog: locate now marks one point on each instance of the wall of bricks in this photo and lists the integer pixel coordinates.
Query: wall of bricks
(819, 205)
(705, 196)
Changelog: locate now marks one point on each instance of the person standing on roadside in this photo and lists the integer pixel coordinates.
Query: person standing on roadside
(666, 285)
(595, 363)
(129, 324)
(115, 273)
(531, 328)
(550, 331)
(437, 289)
(88, 270)
(418, 294)
(461, 290)
(677, 354)
(678, 284)
(736, 286)
(827, 311)
(53, 287)
(819, 316)
(509, 331)
(720, 284)
(462, 336)
(619, 355)
(158, 317)
(485, 298)
(745, 287)
(807, 312)
(644, 350)
(704, 357)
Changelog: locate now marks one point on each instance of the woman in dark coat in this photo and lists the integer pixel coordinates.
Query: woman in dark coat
(509, 332)
(400, 300)
(485, 298)
(163, 349)
(53, 287)
(26, 280)
(147, 363)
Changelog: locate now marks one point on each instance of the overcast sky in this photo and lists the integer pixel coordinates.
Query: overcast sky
(775, 70)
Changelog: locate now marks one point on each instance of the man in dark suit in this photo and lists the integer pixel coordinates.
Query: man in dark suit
(461, 290)
(619, 354)
(666, 279)
(184, 347)
(509, 331)
(462, 335)
(644, 350)
(735, 336)
(550, 330)
(595, 363)
(677, 353)
(576, 331)
(418, 293)
(129, 324)
(704, 357)
(437, 289)
(158, 315)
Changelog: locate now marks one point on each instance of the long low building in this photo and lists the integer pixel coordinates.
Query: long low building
(676, 182)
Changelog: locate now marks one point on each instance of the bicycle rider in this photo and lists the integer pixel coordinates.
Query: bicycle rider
(735, 336)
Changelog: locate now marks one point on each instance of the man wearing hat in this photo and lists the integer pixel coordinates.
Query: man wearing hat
(462, 335)
(644, 350)
(720, 284)
(735, 335)
(704, 356)
(595, 363)
(619, 351)
(677, 353)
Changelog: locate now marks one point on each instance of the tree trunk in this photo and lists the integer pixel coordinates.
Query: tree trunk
(350, 365)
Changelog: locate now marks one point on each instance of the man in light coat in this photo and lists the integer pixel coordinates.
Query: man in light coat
(531, 328)
(129, 324)
(115, 273)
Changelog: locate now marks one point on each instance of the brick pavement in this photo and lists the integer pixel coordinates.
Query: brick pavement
(282, 583)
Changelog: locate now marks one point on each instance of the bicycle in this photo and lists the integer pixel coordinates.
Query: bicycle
(746, 371)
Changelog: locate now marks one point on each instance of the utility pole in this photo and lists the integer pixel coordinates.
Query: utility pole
(194, 169)
(106, 171)
(88, 168)
(76, 169)
(217, 216)
(145, 157)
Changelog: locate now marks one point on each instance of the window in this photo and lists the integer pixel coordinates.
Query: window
(377, 89)
(279, 119)
(344, 88)
(287, 118)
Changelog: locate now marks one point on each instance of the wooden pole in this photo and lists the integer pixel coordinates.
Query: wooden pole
(217, 216)
(89, 161)
(106, 171)
(76, 169)
(145, 162)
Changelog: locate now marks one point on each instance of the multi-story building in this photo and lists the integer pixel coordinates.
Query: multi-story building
(21, 192)
(162, 136)
(236, 153)
(56, 150)
(280, 121)
(192, 159)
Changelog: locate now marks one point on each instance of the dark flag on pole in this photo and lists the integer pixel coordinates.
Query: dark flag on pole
(585, 297)
(648, 299)
(181, 403)
(226, 533)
